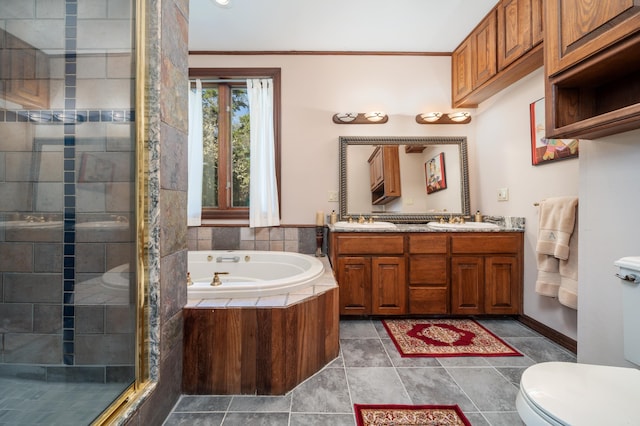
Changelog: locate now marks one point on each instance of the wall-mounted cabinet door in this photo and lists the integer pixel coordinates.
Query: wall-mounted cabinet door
(578, 29)
(514, 30)
(388, 285)
(537, 22)
(461, 65)
(484, 44)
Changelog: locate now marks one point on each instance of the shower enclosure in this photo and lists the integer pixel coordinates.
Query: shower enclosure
(67, 208)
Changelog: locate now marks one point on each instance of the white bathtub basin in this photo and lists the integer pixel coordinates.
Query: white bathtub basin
(479, 226)
(356, 225)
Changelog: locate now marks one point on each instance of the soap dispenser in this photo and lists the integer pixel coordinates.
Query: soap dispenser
(478, 216)
(333, 218)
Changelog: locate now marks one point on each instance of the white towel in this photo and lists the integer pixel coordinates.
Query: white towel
(568, 269)
(557, 262)
(556, 223)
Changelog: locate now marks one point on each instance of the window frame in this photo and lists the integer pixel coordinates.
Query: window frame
(235, 73)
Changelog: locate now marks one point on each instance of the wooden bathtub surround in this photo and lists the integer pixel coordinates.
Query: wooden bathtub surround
(264, 351)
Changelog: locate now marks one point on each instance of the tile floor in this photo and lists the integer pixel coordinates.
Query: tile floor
(369, 370)
(34, 402)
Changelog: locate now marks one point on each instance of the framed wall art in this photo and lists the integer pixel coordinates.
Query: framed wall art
(545, 150)
(435, 173)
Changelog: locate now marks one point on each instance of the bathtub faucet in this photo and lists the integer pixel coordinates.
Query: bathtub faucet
(216, 279)
(234, 259)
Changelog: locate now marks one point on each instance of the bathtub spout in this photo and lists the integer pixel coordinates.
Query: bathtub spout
(234, 259)
(216, 279)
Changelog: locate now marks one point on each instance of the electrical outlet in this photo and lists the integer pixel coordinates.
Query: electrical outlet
(333, 196)
(503, 194)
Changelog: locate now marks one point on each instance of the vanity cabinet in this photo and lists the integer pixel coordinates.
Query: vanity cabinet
(384, 171)
(486, 274)
(430, 273)
(371, 273)
(593, 67)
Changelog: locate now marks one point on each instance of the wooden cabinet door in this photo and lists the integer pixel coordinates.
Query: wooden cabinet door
(388, 285)
(25, 71)
(467, 285)
(576, 29)
(354, 280)
(484, 50)
(502, 285)
(376, 169)
(537, 22)
(461, 66)
(514, 30)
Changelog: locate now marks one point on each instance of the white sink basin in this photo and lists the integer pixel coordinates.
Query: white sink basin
(356, 225)
(463, 226)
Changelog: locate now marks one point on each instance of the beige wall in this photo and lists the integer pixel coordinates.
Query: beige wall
(314, 87)
(503, 160)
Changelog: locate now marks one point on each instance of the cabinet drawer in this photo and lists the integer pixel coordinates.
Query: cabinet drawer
(428, 270)
(486, 243)
(370, 244)
(428, 300)
(428, 244)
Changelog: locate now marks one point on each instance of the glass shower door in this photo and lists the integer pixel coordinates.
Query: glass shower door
(67, 209)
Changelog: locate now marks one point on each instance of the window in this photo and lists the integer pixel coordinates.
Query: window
(225, 186)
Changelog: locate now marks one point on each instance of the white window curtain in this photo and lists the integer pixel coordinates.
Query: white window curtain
(263, 189)
(195, 156)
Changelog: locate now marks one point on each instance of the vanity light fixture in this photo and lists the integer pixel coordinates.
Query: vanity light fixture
(441, 118)
(375, 117)
(222, 3)
(431, 116)
(346, 117)
(459, 117)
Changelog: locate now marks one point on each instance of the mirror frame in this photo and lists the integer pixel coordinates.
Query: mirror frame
(461, 141)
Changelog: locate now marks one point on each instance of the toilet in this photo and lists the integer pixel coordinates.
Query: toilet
(563, 393)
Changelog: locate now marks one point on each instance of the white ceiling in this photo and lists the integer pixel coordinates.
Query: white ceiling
(334, 25)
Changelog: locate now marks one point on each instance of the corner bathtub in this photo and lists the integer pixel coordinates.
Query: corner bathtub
(236, 344)
(246, 273)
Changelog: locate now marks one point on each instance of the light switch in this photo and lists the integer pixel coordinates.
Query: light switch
(503, 194)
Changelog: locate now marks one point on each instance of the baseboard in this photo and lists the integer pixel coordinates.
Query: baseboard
(551, 334)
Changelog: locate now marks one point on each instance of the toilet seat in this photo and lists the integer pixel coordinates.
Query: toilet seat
(562, 393)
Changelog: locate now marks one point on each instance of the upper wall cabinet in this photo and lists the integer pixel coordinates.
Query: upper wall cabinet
(519, 29)
(502, 49)
(592, 62)
(24, 73)
(474, 61)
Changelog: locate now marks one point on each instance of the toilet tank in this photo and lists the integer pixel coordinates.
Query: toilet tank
(629, 274)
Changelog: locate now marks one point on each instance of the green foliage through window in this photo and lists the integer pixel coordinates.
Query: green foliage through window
(226, 146)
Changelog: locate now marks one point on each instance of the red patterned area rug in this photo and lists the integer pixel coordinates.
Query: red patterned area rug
(445, 338)
(409, 415)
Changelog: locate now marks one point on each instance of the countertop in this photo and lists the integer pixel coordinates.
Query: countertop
(505, 224)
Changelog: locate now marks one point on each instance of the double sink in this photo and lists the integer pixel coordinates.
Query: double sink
(467, 226)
